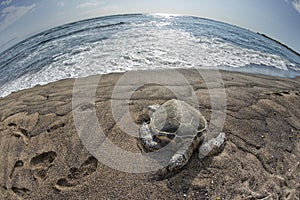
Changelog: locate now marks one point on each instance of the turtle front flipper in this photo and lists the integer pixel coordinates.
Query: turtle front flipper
(147, 138)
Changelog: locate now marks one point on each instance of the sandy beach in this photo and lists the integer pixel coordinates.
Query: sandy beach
(43, 157)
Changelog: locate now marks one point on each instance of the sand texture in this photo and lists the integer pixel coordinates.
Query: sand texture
(42, 156)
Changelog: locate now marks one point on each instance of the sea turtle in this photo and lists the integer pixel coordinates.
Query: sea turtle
(181, 125)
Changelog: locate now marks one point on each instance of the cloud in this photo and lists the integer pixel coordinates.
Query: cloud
(60, 4)
(6, 2)
(89, 4)
(11, 14)
(296, 4)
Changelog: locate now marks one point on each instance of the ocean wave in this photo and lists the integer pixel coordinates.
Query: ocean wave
(137, 42)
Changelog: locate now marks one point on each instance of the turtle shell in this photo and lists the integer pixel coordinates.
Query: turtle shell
(177, 117)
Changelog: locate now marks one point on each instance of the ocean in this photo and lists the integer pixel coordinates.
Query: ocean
(139, 42)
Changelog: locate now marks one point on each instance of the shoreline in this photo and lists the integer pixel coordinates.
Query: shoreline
(261, 70)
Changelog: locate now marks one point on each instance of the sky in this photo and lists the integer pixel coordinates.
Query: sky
(279, 19)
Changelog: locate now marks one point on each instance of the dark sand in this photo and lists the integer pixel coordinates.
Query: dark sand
(42, 156)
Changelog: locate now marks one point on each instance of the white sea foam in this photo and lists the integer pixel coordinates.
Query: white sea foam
(147, 45)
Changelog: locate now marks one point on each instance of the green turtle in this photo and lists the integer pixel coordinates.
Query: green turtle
(184, 127)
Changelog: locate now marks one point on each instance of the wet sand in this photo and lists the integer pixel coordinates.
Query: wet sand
(42, 156)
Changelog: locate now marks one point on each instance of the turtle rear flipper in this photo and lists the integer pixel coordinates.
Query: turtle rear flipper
(153, 108)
